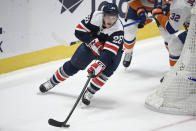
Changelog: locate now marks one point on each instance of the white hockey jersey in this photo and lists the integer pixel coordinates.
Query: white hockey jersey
(180, 12)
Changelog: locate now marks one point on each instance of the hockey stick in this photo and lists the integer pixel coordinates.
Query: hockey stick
(135, 22)
(61, 41)
(56, 123)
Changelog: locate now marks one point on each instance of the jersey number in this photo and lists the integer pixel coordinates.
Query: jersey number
(175, 17)
(118, 39)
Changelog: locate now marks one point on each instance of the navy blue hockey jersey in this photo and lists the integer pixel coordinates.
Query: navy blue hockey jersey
(92, 27)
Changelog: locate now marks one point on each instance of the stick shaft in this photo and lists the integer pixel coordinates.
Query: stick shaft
(78, 99)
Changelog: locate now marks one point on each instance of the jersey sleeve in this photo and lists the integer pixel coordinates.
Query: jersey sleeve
(84, 30)
(135, 4)
(174, 21)
(111, 47)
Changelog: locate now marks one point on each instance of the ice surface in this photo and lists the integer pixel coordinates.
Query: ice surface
(118, 106)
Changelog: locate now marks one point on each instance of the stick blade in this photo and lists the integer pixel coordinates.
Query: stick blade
(55, 123)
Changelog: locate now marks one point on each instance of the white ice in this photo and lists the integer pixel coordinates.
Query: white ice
(118, 106)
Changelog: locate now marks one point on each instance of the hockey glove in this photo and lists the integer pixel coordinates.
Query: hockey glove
(96, 69)
(95, 46)
(141, 12)
(102, 37)
(157, 8)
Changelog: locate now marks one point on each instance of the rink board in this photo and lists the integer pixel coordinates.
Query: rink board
(58, 52)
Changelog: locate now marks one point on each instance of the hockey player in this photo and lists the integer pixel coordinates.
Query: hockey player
(137, 10)
(180, 13)
(102, 36)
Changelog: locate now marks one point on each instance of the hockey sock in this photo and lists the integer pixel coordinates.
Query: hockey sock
(96, 83)
(173, 60)
(59, 76)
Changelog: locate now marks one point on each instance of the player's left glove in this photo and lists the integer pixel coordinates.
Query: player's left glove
(95, 46)
(96, 69)
(141, 12)
(157, 8)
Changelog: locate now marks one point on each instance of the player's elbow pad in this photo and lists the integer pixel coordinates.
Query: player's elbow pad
(83, 36)
(78, 34)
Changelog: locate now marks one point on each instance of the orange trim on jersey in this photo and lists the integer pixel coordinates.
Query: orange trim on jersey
(148, 21)
(148, 8)
(140, 11)
(136, 4)
(156, 11)
(163, 19)
(128, 46)
(172, 62)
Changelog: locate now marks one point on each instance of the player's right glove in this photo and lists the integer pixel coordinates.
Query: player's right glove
(157, 8)
(96, 69)
(95, 46)
(141, 12)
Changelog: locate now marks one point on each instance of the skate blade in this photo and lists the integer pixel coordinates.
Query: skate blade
(83, 106)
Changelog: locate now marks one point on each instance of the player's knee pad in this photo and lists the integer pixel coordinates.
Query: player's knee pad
(130, 31)
(97, 82)
(175, 46)
(69, 68)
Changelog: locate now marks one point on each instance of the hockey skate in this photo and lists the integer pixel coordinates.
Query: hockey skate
(87, 97)
(127, 59)
(46, 86)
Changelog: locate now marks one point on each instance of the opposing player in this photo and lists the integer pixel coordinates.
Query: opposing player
(102, 36)
(180, 13)
(137, 10)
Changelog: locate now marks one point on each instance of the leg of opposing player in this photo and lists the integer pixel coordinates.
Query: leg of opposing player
(175, 47)
(129, 42)
(130, 31)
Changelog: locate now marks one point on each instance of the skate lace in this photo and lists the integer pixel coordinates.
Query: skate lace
(48, 85)
(88, 95)
(127, 56)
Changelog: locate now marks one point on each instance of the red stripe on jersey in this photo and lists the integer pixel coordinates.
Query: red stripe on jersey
(58, 76)
(111, 47)
(98, 82)
(80, 27)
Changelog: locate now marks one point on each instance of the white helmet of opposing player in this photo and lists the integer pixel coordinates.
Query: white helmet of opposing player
(165, 1)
